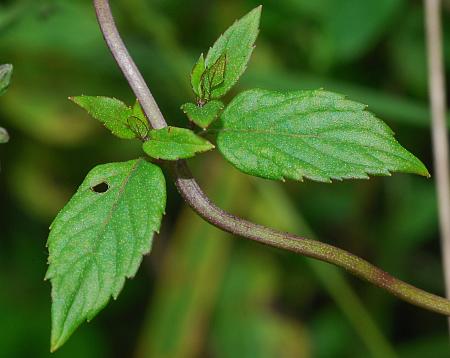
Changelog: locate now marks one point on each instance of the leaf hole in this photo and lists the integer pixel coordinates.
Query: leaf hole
(100, 188)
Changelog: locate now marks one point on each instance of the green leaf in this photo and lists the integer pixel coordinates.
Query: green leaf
(213, 76)
(138, 112)
(139, 127)
(173, 143)
(314, 134)
(236, 44)
(204, 115)
(5, 77)
(196, 76)
(138, 122)
(216, 73)
(98, 239)
(4, 136)
(111, 112)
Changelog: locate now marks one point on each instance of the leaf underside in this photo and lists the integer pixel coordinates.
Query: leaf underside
(98, 239)
(172, 143)
(317, 135)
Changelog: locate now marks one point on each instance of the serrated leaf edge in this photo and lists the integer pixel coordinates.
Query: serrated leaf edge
(58, 342)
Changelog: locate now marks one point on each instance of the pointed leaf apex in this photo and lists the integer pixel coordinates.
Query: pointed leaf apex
(344, 142)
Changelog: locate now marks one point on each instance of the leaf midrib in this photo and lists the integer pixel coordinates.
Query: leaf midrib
(294, 135)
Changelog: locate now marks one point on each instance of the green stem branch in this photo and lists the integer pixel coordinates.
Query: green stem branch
(200, 203)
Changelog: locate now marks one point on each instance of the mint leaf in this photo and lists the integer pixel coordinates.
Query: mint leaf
(196, 76)
(137, 111)
(236, 45)
(4, 136)
(213, 76)
(98, 239)
(203, 116)
(5, 77)
(111, 112)
(314, 134)
(173, 143)
(139, 127)
(216, 73)
(138, 122)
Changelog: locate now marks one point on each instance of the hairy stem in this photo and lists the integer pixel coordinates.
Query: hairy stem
(437, 95)
(200, 203)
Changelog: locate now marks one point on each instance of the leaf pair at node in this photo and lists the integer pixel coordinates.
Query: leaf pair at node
(169, 143)
(99, 237)
(212, 77)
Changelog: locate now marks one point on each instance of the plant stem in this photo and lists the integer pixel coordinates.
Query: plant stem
(127, 65)
(287, 216)
(200, 203)
(437, 96)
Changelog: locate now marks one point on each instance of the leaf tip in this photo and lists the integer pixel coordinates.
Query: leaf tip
(424, 172)
(55, 344)
(420, 169)
(75, 99)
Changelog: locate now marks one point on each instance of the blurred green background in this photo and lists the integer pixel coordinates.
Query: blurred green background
(203, 293)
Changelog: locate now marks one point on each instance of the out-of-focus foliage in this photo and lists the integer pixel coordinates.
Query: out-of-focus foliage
(207, 293)
(5, 79)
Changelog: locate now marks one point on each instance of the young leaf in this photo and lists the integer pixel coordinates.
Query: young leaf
(139, 127)
(196, 76)
(4, 136)
(111, 112)
(236, 44)
(216, 73)
(213, 76)
(98, 239)
(138, 123)
(205, 115)
(138, 112)
(5, 77)
(173, 143)
(314, 134)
